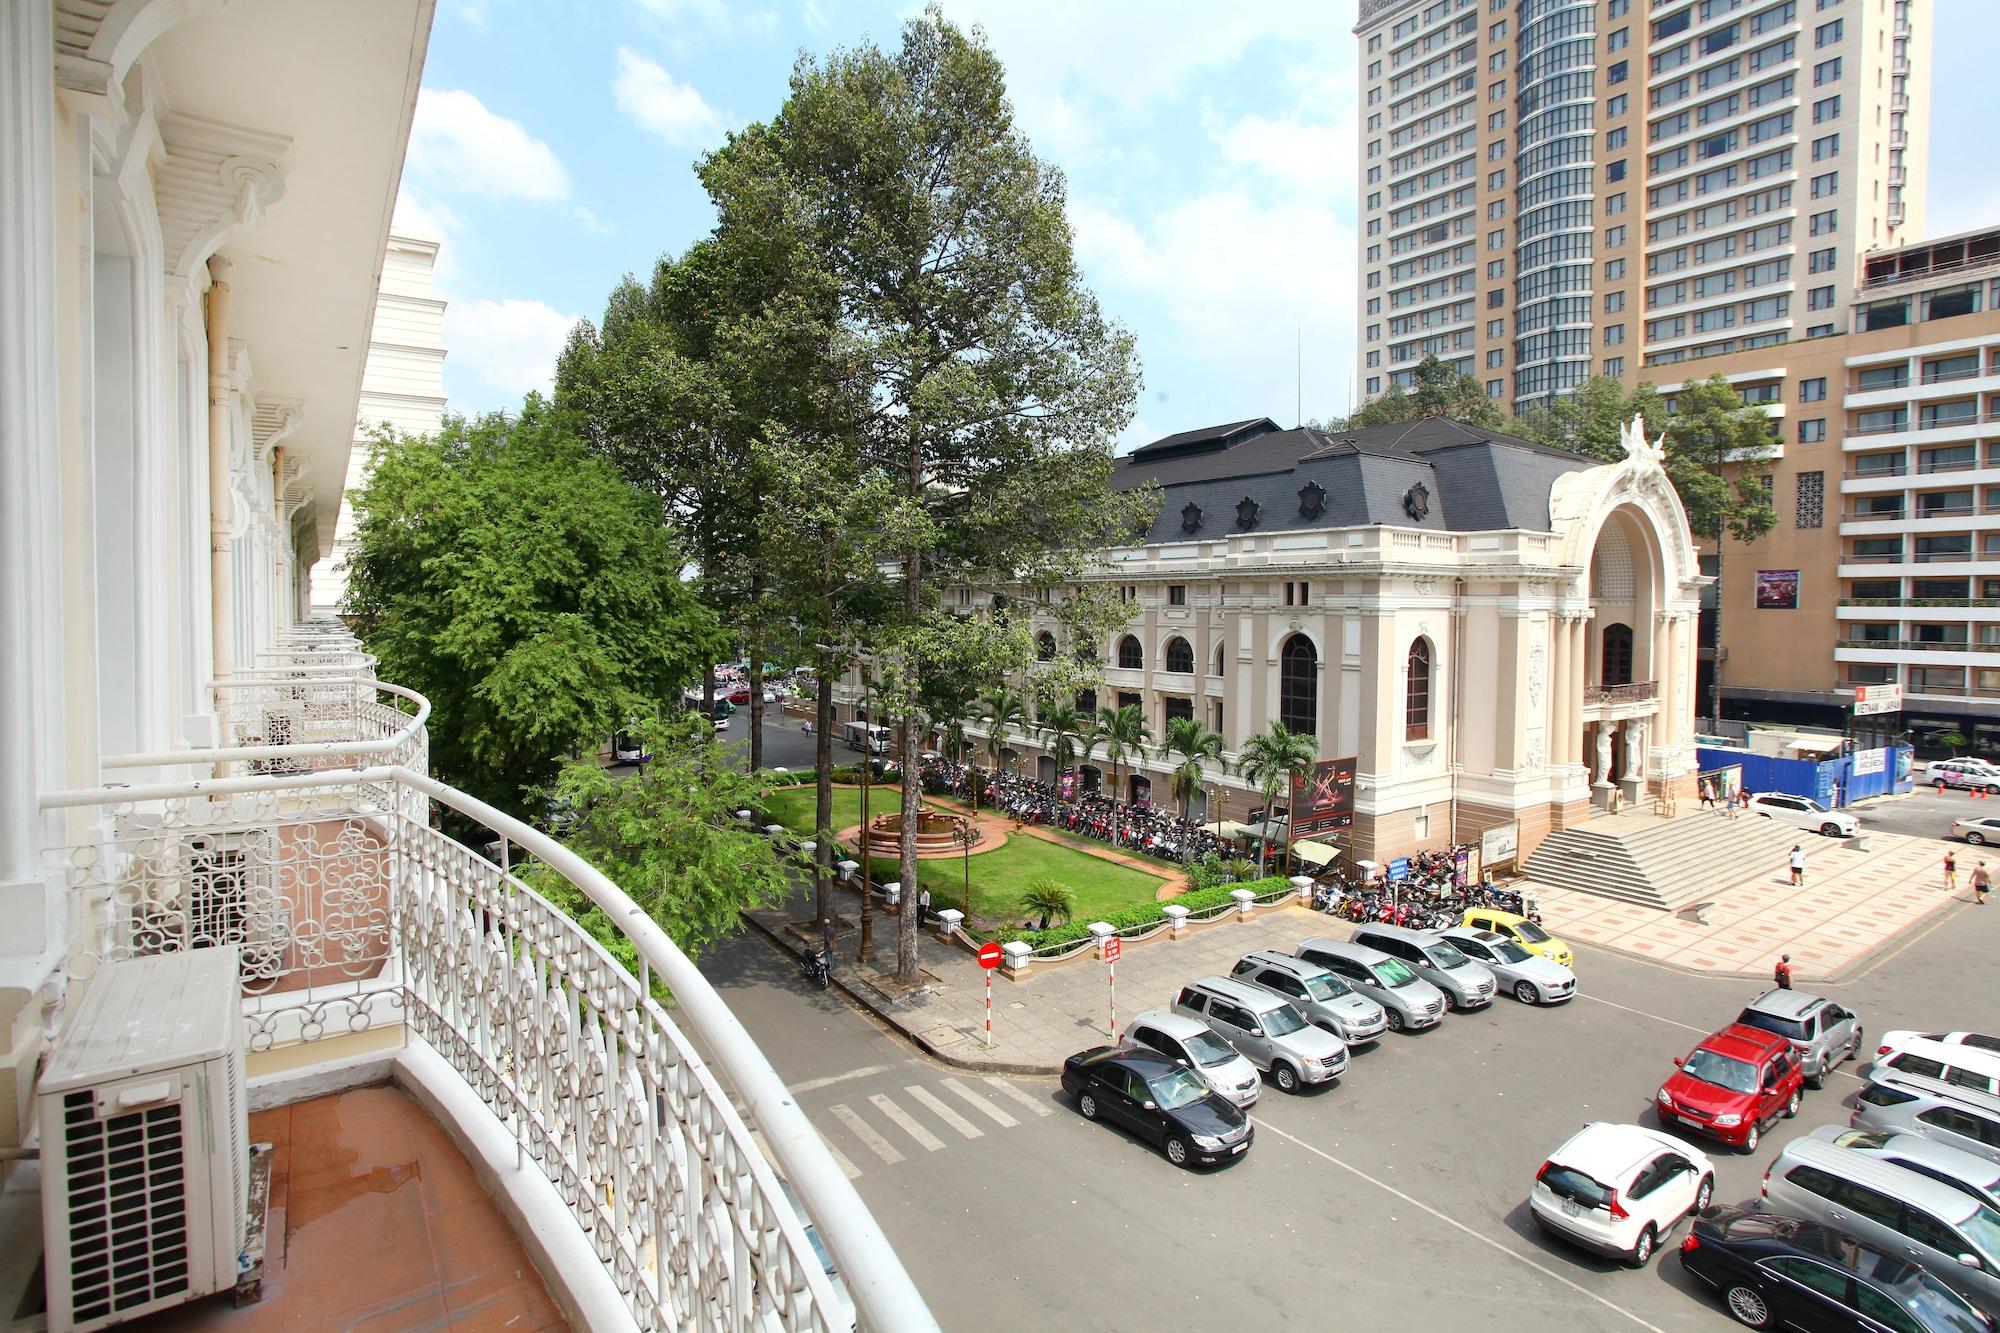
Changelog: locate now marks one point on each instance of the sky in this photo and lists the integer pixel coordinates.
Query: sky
(1209, 151)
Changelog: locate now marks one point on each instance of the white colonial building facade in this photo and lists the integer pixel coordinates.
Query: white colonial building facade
(1495, 631)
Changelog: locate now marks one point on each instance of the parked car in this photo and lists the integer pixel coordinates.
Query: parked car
(1528, 934)
(1943, 1229)
(1961, 1072)
(739, 695)
(1265, 1030)
(1893, 1107)
(1188, 1041)
(1973, 774)
(629, 750)
(1957, 1168)
(1617, 1189)
(1733, 1086)
(1159, 1101)
(1896, 1038)
(1468, 984)
(1322, 998)
(1978, 832)
(1822, 1033)
(1410, 1003)
(1528, 977)
(1804, 812)
(1772, 1271)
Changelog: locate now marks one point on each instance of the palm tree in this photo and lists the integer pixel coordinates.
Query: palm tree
(1062, 731)
(1004, 708)
(1124, 735)
(1051, 901)
(1195, 745)
(1271, 759)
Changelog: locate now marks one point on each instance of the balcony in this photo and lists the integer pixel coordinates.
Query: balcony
(1639, 691)
(1918, 646)
(369, 936)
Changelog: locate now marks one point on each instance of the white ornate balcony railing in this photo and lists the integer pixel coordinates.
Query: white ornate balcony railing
(353, 913)
(310, 723)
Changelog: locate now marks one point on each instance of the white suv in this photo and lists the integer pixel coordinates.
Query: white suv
(1804, 812)
(1975, 774)
(1619, 1189)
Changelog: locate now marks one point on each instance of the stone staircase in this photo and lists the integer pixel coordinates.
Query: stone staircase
(1664, 863)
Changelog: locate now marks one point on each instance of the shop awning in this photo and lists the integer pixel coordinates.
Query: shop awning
(1315, 853)
(1227, 828)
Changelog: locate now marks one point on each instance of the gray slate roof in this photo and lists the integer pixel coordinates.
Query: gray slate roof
(1474, 480)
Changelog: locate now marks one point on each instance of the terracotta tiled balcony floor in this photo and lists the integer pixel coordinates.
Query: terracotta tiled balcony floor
(377, 1222)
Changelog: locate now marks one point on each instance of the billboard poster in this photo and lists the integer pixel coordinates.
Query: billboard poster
(1777, 590)
(1323, 802)
(1069, 785)
(1870, 761)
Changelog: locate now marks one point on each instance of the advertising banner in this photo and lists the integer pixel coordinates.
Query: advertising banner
(1777, 590)
(1324, 801)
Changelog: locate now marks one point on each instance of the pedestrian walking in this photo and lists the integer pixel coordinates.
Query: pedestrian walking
(1743, 799)
(1950, 872)
(826, 934)
(1782, 974)
(923, 906)
(1707, 794)
(1981, 882)
(1798, 864)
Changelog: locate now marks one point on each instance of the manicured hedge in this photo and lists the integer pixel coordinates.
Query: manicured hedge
(1140, 915)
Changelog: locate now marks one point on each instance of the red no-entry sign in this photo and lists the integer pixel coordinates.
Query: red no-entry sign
(989, 955)
(1112, 946)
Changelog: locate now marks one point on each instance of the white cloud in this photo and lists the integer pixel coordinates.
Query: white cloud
(590, 222)
(1317, 159)
(658, 104)
(723, 18)
(457, 145)
(510, 345)
(814, 17)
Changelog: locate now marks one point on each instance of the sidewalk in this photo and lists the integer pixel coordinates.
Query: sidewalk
(1852, 905)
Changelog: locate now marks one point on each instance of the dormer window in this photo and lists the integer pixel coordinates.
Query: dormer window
(1191, 518)
(1246, 512)
(1312, 500)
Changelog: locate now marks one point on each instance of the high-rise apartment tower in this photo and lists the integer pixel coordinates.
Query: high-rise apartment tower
(1555, 189)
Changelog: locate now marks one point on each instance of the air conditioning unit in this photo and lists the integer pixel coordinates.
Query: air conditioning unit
(145, 1140)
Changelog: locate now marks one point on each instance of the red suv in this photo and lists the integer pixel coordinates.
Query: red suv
(1734, 1086)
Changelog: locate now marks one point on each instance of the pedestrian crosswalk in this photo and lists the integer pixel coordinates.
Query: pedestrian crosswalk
(890, 1125)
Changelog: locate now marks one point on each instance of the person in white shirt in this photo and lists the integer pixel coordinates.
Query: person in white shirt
(923, 907)
(1798, 863)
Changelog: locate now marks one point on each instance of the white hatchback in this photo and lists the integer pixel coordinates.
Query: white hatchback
(1804, 812)
(1620, 1189)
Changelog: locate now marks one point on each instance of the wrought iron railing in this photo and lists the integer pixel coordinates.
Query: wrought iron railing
(1638, 691)
(354, 912)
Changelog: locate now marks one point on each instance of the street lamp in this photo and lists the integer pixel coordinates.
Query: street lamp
(965, 835)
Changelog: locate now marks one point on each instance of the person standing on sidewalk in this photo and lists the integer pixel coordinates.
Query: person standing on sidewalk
(923, 906)
(1981, 882)
(1951, 872)
(1782, 974)
(826, 934)
(1798, 864)
(1707, 794)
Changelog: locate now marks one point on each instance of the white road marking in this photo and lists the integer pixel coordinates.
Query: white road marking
(850, 1168)
(927, 1140)
(1002, 1085)
(1454, 1223)
(992, 1112)
(958, 1122)
(881, 1147)
(813, 1084)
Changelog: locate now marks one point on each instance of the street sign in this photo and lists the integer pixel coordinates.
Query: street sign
(1871, 699)
(1112, 946)
(989, 955)
(1399, 868)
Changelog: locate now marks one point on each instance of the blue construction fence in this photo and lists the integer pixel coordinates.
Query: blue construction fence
(1831, 782)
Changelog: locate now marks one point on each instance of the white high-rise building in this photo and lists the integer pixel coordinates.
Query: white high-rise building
(402, 386)
(1555, 189)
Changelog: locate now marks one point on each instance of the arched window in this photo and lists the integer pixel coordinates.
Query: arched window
(1045, 647)
(1217, 673)
(1298, 686)
(1180, 657)
(1417, 692)
(1131, 657)
(1617, 656)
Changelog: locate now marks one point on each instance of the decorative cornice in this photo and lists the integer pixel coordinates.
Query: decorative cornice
(216, 180)
(98, 40)
(274, 419)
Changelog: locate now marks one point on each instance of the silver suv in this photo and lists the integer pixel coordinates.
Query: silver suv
(1325, 1000)
(1890, 1107)
(1410, 1003)
(1822, 1033)
(1265, 1030)
(1470, 985)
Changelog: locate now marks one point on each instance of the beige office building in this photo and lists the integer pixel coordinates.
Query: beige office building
(1884, 566)
(1555, 189)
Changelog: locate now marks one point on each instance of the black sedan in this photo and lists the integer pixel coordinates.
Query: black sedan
(1158, 1099)
(1779, 1272)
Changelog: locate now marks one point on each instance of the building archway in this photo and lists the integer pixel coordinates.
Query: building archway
(1179, 657)
(1045, 647)
(1298, 686)
(1045, 770)
(1090, 777)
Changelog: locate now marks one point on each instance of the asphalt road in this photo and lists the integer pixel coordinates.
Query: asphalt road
(1924, 813)
(1394, 1199)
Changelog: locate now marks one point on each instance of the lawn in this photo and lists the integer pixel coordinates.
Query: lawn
(999, 877)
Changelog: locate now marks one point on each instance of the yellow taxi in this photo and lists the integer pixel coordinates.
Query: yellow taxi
(1518, 928)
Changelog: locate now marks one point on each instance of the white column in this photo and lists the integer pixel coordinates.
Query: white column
(1562, 737)
(1579, 662)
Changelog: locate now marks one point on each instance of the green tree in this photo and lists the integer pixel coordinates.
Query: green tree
(1004, 710)
(668, 836)
(1437, 391)
(1273, 759)
(1194, 745)
(1062, 731)
(1050, 900)
(1124, 735)
(526, 589)
(995, 387)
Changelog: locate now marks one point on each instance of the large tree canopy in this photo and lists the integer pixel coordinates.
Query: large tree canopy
(526, 589)
(1436, 391)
